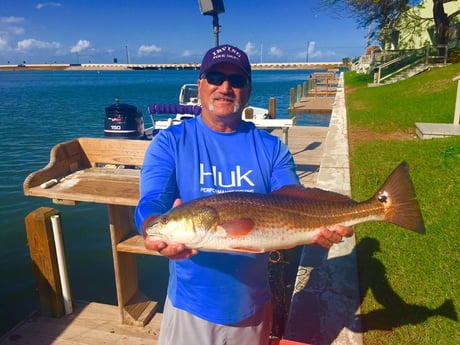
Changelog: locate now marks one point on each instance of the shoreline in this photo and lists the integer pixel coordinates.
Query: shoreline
(193, 66)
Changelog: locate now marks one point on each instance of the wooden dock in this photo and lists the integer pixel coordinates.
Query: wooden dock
(96, 323)
(90, 323)
(313, 104)
(316, 95)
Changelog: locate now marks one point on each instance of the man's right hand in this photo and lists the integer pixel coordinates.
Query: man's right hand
(174, 251)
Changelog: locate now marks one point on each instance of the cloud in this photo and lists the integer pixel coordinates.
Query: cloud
(249, 48)
(275, 51)
(313, 53)
(80, 46)
(148, 50)
(32, 44)
(47, 4)
(11, 20)
(4, 44)
(186, 53)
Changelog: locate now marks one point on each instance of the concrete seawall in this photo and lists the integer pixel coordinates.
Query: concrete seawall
(326, 295)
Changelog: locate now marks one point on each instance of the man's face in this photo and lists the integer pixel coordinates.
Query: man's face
(223, 99)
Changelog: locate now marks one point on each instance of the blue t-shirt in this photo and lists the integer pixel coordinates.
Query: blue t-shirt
(189, 161)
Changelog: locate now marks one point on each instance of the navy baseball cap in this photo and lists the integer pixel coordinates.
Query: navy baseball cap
(226, 54)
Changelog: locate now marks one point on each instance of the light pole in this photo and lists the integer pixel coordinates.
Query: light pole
(213, 8)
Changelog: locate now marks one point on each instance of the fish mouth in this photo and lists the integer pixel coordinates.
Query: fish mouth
(158, 237)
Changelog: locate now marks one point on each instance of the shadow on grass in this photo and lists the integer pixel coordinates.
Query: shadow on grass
(326, 298)
(395, 312)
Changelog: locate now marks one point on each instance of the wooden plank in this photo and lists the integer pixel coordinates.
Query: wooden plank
(135, 244)
(65, 158)
(104, 185)
(90, 323)
(135, 308)
(114, 151)
(44, 260)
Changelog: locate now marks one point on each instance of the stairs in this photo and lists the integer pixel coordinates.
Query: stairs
(410, 72)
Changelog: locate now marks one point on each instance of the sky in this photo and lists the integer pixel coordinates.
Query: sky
(173, 31)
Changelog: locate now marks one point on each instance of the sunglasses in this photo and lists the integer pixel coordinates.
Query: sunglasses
(217, 78)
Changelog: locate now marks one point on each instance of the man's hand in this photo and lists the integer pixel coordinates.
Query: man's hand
(174, 251)
(326, 238)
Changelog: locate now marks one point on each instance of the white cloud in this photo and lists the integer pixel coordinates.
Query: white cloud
(249, 49)
(313, 53)
(31, 44)
(80, 46)
(47, 4)
(11, 20)
(275, 51)
(14, 30)
(148, 50)
(186, 53)
(4, 44)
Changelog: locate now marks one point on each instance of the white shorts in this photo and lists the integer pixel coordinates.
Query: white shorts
(179, 327)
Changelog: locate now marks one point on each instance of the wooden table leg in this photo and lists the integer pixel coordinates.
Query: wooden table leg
(135, 307)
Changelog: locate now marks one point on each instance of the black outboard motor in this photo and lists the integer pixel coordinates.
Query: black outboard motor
(123, 121)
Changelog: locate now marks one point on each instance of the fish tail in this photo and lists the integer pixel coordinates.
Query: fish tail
(398, 198)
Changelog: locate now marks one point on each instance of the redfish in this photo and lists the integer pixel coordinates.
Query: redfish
(291, 216)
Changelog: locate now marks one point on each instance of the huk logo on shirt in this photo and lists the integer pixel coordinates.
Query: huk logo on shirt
(225, 179)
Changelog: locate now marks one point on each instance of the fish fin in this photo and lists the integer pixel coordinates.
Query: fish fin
(238, 227)
(398, 197)
(299, 191)
(247, 250)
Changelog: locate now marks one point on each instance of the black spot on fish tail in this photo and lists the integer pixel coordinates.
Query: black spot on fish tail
(398, 197)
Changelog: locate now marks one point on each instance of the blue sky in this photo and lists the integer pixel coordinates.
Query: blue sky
(172, 31)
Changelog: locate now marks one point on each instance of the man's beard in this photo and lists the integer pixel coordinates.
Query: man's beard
(236, 105)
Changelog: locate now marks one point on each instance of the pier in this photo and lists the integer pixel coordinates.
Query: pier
(165, 66)
(316, 95)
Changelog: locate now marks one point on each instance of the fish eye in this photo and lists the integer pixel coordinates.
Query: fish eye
(383, 197)
(165, 219)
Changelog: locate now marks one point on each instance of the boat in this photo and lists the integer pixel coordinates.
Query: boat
(125, 121)
(189, 103)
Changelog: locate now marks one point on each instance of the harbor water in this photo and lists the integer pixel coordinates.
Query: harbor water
(39, 109)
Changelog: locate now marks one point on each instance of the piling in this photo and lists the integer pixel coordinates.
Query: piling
(44, 260)
(272, 107)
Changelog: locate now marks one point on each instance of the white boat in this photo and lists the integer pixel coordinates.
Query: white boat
(189, 104)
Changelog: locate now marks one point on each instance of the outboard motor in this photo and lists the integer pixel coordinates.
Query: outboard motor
(123, 121)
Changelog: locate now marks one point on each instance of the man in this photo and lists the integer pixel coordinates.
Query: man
(216, 298)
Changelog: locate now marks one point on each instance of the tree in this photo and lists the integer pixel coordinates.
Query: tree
(383, 17)
(442, 20)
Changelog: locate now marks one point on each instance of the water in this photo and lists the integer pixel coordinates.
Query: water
(39, 109)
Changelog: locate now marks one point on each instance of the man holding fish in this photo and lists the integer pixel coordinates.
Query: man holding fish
(217, 297)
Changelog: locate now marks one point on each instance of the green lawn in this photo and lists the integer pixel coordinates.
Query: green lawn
(410, 283)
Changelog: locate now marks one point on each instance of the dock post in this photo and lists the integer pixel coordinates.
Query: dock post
(304, 93)
(299, 92)
(291, 98)
(44, 260)
(272, 107)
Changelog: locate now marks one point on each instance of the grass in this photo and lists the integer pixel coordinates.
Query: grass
(409, 284)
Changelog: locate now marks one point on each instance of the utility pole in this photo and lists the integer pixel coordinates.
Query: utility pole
(308, 48)
(127, 54)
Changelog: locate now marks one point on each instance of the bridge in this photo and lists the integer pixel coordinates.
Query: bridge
(172, 66)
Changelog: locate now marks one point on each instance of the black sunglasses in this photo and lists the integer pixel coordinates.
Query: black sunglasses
(217, 78)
